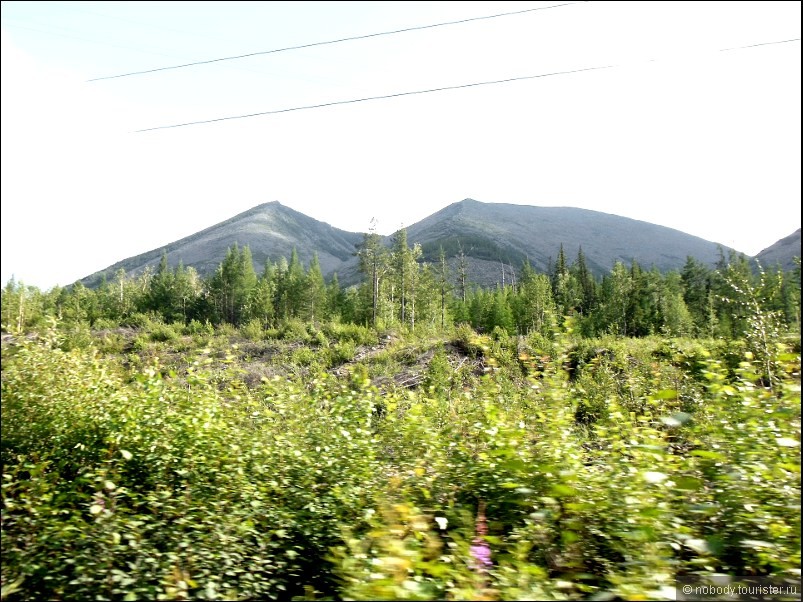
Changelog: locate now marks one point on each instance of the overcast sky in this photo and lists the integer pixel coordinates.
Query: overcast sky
(678, 132)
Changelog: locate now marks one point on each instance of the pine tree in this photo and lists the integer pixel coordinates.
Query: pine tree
(263, 308)
(443, 283)
(13, 304)
(564, 286)
(676, 319)
(233, 284)
(588, 286)
(615, 299)
(731, 279)
(280, 293)
(535, 305)
(372, 257)
(245, 285)
(335, 299)
(159, 297)
(696, 280)
(186, 290)
(499, 313)
(314, 291)
(462, 274)
(400, 260)
(295, 284)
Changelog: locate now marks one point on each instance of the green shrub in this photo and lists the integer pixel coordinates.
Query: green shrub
(439, 374)
(140, 320)
(105, 324)
(197, 328)
(320, 340)
(226, 330)
(162, 333)
(112, 343)
(294, 330)
(608, 469)
(75, 335)
(303, 356)
(254, 330)
(359, 335)
(343, 351)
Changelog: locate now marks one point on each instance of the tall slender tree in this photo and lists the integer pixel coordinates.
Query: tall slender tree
(443, 283)
(314, 291)
(372, 256)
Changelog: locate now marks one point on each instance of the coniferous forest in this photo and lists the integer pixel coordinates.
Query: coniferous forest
(273, 435)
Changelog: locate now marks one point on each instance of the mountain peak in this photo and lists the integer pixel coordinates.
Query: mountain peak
(269, 204)
(489, 234)
(781, 252)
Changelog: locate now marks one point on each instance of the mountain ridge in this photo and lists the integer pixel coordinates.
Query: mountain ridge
(205, 249)
(496, 238)
(781, 252)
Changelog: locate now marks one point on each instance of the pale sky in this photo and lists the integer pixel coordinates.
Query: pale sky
(679, 133)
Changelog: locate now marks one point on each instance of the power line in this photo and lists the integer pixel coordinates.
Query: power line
(760, 44)
(428, 91)
(349, 39)
(396, 95)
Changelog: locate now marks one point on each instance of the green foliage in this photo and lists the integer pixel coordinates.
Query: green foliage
(130, 489)
(343, 351)
(105, 324)
(360, 335)
(163, 333)
(111, 343)
(75, 335)
(401, 292)
(407, 555)
(268, 468)
(294, 330)
(197, 328)
(253, 330)
(140, 320)
(303, 356)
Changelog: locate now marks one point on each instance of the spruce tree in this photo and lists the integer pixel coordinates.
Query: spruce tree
(314, 291)
(372, 257)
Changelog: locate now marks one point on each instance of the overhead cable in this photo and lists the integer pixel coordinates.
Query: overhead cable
(428, 91)
(367, 98)
(337, 41)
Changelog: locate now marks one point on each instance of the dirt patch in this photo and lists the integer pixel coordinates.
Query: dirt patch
(416, 364)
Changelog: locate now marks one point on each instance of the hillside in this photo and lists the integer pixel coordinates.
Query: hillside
(271, 230)
(510, 234)
(494, 237)
(782, 252)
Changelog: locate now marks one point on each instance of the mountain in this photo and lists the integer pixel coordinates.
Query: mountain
(495, 238)
(510, 234)
(781, 252)
(271, 230)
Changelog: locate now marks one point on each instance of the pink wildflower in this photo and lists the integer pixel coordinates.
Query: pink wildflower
(479, 549)
(481, 554)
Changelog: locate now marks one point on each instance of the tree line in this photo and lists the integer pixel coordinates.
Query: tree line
(399, 289)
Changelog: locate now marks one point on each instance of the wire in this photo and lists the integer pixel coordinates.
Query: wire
(312, 44)
(761, 44)
(428, 91)
(396, 95)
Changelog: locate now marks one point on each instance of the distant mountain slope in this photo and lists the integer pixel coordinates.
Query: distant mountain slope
(781, 252)
(507, 233)
(271, 230)
(495, 238)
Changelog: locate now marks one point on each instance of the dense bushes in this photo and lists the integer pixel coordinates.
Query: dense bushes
(151, 487)
(584, 469)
